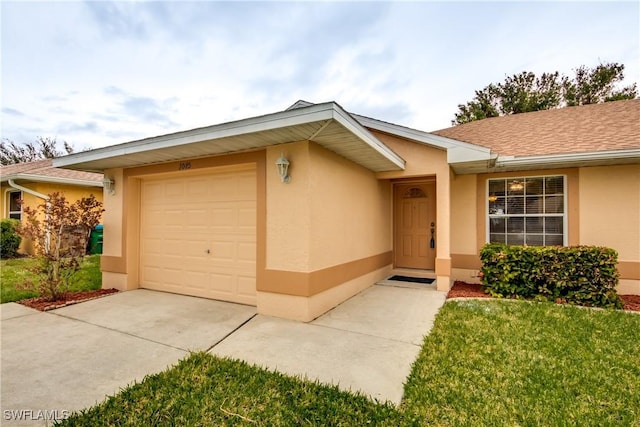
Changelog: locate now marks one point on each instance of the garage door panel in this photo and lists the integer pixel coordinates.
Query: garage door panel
(246, 251)
(246, 285)
(197, 218)
(174, 189)
(221, 282)
(174, 218)
(195, 280)
(223, 218)
(245, 186)
(152, 246)
(152, 274)
(153, 191)
(198, 188)
(198, 235)
(247, 217)
(223, 251)
(223, 188)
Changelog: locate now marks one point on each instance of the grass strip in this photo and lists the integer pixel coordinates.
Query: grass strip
(485, 363)
(14, 272)
(522, 363)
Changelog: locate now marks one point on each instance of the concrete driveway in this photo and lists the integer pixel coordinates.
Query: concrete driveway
(71, 358)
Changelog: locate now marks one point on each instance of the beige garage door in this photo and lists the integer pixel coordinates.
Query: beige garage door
(198, 234)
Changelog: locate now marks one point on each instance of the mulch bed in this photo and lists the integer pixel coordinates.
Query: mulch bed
(474, 290)
(631, 302)
(68, 298)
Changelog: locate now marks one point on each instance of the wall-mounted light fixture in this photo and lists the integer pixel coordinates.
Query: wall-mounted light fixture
(110, 185)
(283, 168)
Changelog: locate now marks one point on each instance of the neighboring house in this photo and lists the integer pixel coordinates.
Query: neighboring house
(204, 212)
(33, 181)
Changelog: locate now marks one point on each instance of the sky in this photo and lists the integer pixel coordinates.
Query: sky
(100, 73)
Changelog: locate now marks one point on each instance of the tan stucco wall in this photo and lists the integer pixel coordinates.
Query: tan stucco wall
(610, 216)
(464, 228)
(288, 210)
(610, 209)
(328, 226)
(463, 215)
(328, 200)
(350, 211)
(591, 193)
(305, 309)
(71, 192)
(112, 217)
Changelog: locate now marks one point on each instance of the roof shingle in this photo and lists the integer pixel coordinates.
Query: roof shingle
(587, 128)
(45, 169)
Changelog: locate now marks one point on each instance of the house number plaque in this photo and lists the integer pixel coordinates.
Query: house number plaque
(184, 166)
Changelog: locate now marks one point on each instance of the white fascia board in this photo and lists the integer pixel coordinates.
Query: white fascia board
(53, 180)
(293, 117)
(353, 126)
(457, 151)
(593, 156)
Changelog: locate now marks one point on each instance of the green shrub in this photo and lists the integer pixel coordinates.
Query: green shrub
(584, 275)
(9, 238)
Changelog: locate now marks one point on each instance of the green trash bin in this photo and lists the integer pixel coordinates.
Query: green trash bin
(95, 240)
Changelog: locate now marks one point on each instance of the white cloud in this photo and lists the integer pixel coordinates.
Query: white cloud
(101, 73)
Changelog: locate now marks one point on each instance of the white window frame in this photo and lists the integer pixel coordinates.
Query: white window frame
(10, 212)
(565, 213)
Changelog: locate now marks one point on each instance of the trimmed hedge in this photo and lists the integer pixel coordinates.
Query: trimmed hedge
(584, 275)
(9, 238)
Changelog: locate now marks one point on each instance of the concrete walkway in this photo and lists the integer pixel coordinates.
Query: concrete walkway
(71, 358)
(366, 344)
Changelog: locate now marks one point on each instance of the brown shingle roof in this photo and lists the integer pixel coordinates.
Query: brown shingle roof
(45, 169)
(586, 128)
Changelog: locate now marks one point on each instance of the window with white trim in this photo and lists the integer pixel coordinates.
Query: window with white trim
(527, 210)
(15, 209)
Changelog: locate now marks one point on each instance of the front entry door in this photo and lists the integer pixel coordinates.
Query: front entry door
(415, 225)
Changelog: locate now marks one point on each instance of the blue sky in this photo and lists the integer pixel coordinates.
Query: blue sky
(101, 73)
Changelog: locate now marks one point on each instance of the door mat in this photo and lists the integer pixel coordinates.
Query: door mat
(412, 279)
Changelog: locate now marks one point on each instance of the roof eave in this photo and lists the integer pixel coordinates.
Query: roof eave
(348, 121)
(51, 179)
(552, 161)
(95, 160)
(458, 152)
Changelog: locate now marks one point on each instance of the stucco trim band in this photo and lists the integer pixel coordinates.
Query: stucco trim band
(629, 270)
(312, 283)
(113, 264)
(469, 262)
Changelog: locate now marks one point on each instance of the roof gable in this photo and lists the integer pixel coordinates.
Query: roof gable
(326, 124)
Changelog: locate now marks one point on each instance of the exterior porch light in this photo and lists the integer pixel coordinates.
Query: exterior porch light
(110, 185)
(283, 168)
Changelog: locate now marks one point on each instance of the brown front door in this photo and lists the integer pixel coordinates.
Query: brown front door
(415, 225)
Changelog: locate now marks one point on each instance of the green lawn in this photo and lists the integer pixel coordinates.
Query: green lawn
(14, 272)
(486, 362)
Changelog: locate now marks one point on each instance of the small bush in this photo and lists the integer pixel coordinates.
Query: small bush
(9, 238)
(60, 231)
(584, 275)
